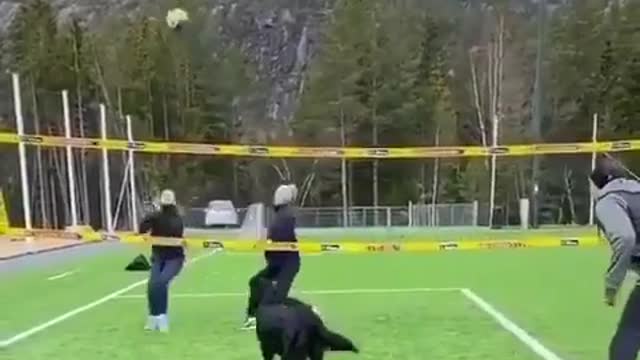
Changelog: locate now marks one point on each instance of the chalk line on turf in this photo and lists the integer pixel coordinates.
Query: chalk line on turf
(38, 328)
(61, 276)
(534, 344)
(304, 292)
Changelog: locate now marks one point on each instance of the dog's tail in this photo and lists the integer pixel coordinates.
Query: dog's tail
(337, 342)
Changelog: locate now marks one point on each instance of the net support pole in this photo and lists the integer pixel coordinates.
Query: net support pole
(343, 185)
(132, 177)
(22, 152)
(494, 163)
(105, 171)
(70, 166)
(594, 139)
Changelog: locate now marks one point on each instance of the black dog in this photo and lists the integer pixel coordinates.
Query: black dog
(294, 331)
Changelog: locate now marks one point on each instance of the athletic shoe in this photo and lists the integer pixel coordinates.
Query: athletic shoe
(152, 324)
(163, 323)
(249, 324)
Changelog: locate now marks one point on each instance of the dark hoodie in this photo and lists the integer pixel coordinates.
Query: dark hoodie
(164, 223)
(618, 215)
(282, 229)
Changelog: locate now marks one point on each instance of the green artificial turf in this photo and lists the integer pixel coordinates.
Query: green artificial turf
(554, 294)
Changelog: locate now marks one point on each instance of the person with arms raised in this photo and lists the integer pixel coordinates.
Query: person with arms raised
(281, 266)
(166, 261)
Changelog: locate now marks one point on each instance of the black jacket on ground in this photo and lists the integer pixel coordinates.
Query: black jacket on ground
(164, 223)
(282, 229)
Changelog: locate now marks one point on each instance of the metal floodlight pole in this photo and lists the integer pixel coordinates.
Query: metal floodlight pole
(594, 139)
(105, 170)
(22, 152)
(536, 123)
(132, 177)
(70, 166)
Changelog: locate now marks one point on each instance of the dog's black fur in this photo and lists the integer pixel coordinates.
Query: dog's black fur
(294, 331)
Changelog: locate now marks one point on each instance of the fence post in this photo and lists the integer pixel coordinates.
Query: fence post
(452, 215)
(410, 213)
(475, 213)
(388, 217)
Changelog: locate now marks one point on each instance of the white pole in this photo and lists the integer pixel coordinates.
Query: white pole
(22, 152)
(105, 170)
(492, 194)
(594, 139)
(345, 200)
(474, 216)
(120, 197)
(70, 168)
(132, 178)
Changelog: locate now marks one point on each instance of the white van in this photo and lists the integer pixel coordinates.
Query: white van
(221, 214)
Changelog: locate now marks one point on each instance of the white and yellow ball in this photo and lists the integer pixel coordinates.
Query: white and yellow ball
(176, 18)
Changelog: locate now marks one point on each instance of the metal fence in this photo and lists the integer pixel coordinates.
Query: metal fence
(445, 214)
(412, 215)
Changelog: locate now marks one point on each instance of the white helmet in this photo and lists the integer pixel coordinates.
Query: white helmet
(285, 194)
(168, 197)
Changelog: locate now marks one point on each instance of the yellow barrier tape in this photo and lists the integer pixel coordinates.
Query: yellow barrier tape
(363, 247)
(344, 246)
(323, 152)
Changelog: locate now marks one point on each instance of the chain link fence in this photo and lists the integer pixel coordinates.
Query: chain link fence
(365, 216)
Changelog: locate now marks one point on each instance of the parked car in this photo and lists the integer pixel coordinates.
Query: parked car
(221, 214)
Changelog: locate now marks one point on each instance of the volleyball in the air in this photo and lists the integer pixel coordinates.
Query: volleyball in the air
(176, 18)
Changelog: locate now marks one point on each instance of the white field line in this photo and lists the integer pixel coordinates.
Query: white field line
(534, 344)
(306, 292)
(38, 328)
(61, 276)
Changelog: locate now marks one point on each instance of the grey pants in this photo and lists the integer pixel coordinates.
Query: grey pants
(626, 342)
(162, 272)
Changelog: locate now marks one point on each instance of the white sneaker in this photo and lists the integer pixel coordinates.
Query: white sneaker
(152, 323)
(249, 324)
(163, 323)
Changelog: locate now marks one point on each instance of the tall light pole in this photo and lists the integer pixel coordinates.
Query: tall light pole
(536, 121)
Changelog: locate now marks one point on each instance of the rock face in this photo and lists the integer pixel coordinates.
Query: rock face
(279, 36)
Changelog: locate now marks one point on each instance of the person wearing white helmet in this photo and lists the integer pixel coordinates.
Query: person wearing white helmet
(282, 266)
(166, 261)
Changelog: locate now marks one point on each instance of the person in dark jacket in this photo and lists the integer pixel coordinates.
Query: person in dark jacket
(294, 330)
(166, 261)
(618, 216)
(282, 266)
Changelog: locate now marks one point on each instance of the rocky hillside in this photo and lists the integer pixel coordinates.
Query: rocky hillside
(279, 36)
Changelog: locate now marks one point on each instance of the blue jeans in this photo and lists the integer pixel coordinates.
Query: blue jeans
(162, 272)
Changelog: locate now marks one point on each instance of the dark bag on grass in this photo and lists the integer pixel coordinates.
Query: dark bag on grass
(140, 263)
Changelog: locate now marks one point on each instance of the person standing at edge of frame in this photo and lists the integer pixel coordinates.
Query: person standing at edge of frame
(166, 261)
(282, 266)
(618, 216)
